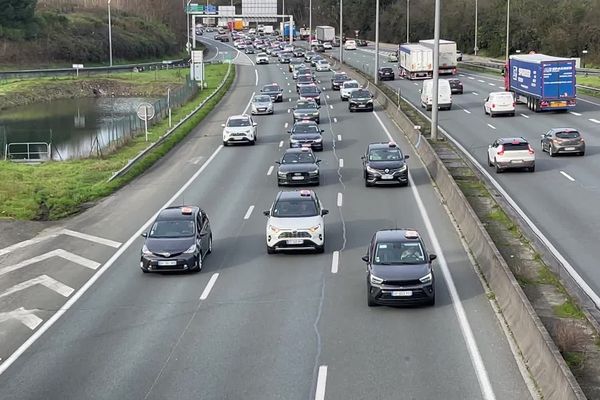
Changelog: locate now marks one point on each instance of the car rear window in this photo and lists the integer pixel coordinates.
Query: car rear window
(567, 135)
(515, 147)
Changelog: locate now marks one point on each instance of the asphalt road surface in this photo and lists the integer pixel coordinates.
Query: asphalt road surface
(251, 325)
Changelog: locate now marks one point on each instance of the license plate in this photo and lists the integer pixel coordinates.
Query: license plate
(387, 176)
(558, 104)
(517, 161)
(167, 263)
(294, 241)
(361, 105)
(262, 109)
(402, 293)
(297, 178)
(569, 148)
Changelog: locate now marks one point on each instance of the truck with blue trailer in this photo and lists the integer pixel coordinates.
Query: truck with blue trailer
(544, 83)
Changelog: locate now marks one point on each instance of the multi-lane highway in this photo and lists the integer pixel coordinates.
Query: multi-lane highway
(561, 197)
(253, 325)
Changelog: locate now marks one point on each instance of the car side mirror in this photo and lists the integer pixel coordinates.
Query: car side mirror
(278, 162)
(144, 234)
(324, 212)
(289, 131)
(365, 258)
(223, 125)
(322, 130)
(490, 146)
(420, 90)
(318, 161)
(543, 136)
(432, 257)
(318, 106)
(406, 156)
(267, 212)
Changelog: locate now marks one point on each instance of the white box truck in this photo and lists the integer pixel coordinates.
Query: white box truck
(325, 33)
(415, 61)
(448, 62)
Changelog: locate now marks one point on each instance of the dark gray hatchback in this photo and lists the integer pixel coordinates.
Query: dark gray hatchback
(399, 269)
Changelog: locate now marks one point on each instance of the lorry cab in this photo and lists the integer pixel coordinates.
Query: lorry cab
(444, 94)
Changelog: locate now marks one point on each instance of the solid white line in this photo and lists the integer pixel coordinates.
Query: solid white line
(594, 121)
(321, 383)
(270, 171)
(525, 116)
(256, 75)
(44, 280)
(467, 111)
(475, 93)
(569, 177)
(249, 102)
(281, 144)
(285, 125)
(491, 126)
(575, 113)
(26, 317)
(339, 138)
(335, 261)
(341, 163)
(340, 199)
(476, 360)
(91, 238)
(334, 119)
(53, 253)
(249, 212)
(87, 285)
(209, 286)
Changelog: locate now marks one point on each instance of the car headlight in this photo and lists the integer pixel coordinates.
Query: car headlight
(283, 174)
(314, 229)
(274, 229)
(370, 101)
(316, 171)
(191, 250)
(145, 251)
(292, 140)
(403, 168)
(372, 170)
(316, 113)
(427, 278)
(375, 280)
(319, 140)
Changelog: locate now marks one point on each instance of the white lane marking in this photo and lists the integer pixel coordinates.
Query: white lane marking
(334, 119)
(209, 286)
(321, 383)
(289, 109)
(44, 280)
(325, 96)
(594, 121)
(54, 253)
(91, 238)
(197, 160)
(341, 163)
(471, 78)
(249, 212)
(255, 80)
(491, 84)
(334, 262)
(284, 125)
(500, 86)
(467, 332)
(248, 105)
(339, 138)
(331, 106)
(491, 126)
(569, 177)
(587, 101)
(281, 144)
(525, 116)
(289, 85)
(270, 171)
(289, 91)
(480, 80)
(475, 93)
(575, 113)
(290, 99)
(458, 75)
(340, 199)
(415, 83)
(26, 317)
(467, 111)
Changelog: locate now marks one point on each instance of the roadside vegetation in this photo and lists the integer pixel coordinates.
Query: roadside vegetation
(53, 190)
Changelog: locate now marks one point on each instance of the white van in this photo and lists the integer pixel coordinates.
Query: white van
(444, 94)
(350, 45)
(499, 103)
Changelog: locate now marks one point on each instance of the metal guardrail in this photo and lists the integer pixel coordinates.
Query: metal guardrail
(31, 73)
(161, 139)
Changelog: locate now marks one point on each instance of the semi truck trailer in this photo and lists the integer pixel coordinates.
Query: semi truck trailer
(415, 61)
(447, 63)
(325, 33)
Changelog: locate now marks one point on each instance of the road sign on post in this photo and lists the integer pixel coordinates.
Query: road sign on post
(197, 65)
(77, 67)
(145, 112)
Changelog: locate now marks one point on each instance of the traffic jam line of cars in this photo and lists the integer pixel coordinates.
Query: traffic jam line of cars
(399, 268)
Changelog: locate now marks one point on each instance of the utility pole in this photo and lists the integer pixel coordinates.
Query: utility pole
(507, 27)
(341, 30)
(376, 76)
(109, 36)
(436, 72)
(476, 49)
(407, 21)
(309, 22)
(187, 20)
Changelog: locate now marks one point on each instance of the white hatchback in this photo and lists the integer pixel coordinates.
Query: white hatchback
(498, 103)
(347, 88)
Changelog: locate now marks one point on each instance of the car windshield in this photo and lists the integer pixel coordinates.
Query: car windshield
(261, 55)
(172, 229)
(567, 135)
(350, 85)
(235, 122)
(390, 253)
(304, 78)
(322, 62)
(385, 155)
(360, 94)
(262, 99)
(298, 158)
(306, 105)
(271, 88)
(340, 77)
(308, 128)
(309, 90)
(294, 208)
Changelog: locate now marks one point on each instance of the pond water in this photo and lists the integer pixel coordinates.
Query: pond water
(75, 128)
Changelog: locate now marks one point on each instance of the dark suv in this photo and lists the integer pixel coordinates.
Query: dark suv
(360, 99)
(384, 163)
(338, 79)
(399, 269)
(386, 73)
(178, 240)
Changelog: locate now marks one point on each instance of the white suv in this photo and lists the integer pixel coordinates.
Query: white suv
(322, 65)
(347, 88)
(262, 58)
(499, 103)
(505, 153)
(239, 129)
(296, 222)
(350, 45)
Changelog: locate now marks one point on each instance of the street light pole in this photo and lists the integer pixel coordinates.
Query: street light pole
(187, 20)
(309, 21)
(507, 26)
(407, 21)
(341, 30)
(109, 36)
(475, 48)
(376, 77)
(436, 72)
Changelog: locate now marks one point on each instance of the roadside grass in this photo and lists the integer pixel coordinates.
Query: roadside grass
(592, 81)
(54, 190)
(568, 309)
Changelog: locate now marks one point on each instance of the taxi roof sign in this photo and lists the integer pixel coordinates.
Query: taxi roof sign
(305, 193)
(411, 234)
(186, 211)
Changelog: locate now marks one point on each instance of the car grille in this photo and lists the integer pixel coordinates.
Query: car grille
(294, 235)
(390, 170)
(164, 254)
(414, 282)
(292, 174)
